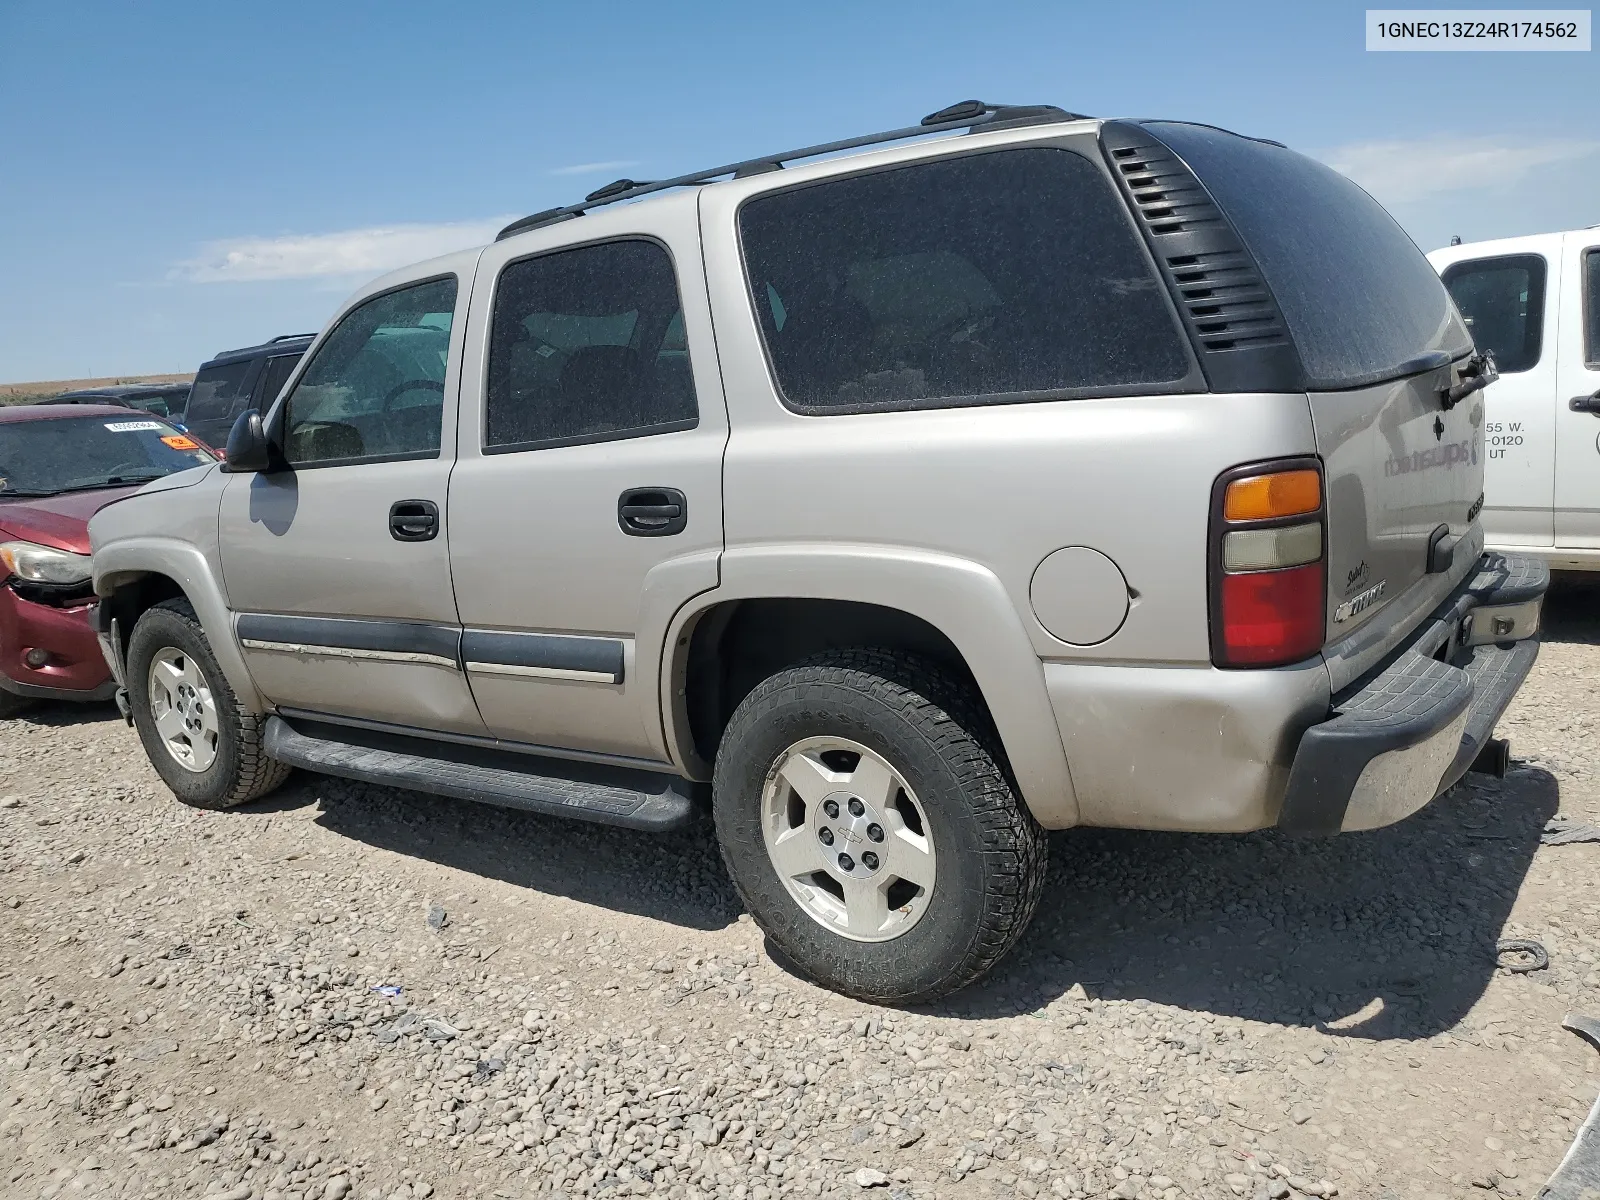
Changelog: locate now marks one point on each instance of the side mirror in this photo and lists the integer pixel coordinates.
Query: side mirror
(249, 448)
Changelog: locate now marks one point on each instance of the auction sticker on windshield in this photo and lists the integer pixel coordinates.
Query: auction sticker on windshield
(132, 426)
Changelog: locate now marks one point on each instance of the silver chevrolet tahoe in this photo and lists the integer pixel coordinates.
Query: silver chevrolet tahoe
(1015, 472)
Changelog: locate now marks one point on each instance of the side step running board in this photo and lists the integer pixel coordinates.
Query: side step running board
(588, 792)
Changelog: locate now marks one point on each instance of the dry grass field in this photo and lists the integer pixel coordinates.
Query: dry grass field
(27, 393)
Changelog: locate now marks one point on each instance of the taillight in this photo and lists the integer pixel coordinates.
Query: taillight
(1268, 555)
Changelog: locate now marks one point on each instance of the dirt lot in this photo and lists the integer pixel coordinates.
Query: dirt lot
(188, 1003)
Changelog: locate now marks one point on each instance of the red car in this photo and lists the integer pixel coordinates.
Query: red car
(59, 465)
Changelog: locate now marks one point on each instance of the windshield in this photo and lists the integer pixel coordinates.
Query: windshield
(74, 454)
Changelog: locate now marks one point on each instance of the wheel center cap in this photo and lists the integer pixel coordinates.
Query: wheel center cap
(850, 834)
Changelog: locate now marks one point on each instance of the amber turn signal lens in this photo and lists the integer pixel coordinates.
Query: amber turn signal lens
(1281, 494)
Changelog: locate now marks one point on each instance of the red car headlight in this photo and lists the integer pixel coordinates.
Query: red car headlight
(43, 564)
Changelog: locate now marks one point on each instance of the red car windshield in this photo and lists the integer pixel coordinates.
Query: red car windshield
(76, 454)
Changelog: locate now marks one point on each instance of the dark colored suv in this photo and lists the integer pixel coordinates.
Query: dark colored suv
(238, 380)
(163, 399)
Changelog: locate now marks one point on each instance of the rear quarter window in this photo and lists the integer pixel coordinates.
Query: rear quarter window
(988, 278)
(1361, 302)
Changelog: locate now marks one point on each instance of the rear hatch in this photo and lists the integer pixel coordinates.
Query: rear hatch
(1378, 343)
(1398, 469)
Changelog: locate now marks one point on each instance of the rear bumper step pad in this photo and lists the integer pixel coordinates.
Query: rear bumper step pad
(607, 795)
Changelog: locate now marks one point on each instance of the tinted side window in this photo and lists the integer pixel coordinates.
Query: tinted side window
(1502, 302)
(173, 403)
(273, 378)
(375, 389)
(1359, 298)
(588, 345)
(157, 404)
(1011, 275)
(214, 390)
(1591, 308)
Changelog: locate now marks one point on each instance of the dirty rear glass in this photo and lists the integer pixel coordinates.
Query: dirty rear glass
(1360, 300)
(43, 458)
(1004, 276)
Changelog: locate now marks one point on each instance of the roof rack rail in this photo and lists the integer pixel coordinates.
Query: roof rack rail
(288, 337)
(967, 114)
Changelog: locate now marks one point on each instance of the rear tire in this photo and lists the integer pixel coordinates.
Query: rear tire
(205, 746)
(928, 866)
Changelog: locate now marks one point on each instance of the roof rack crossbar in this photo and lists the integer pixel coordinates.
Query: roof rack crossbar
(968, 114)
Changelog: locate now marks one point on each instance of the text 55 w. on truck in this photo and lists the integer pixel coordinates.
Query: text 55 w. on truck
(1534, 303)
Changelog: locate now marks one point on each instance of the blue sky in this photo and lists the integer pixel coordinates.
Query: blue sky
(176, 178)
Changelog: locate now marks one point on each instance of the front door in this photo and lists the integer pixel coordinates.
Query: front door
(1509, 302)
(586, 504)
(1578, 397)
(338, 568)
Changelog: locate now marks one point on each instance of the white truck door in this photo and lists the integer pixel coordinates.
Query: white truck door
(1507, 294)
(1577, 501)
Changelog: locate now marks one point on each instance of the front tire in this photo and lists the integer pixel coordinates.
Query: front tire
(870, 828)
(205, 746)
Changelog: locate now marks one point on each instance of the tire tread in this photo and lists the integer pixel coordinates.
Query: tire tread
(944, 711)
(256, 773)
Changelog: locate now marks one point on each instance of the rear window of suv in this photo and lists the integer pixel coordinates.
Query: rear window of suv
(987, 278)
(215, 389)
(1360, 300)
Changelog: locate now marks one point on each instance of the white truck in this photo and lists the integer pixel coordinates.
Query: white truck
(1534, 302)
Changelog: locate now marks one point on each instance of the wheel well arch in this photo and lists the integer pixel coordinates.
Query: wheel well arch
(735, 644)
(128, 595)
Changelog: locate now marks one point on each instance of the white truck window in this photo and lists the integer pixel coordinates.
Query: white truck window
(1591, 308)
(1502, 301)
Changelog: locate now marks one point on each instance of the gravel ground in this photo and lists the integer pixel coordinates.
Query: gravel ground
(190, 1002)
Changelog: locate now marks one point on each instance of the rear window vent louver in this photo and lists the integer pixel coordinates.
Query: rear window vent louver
(1224, 302)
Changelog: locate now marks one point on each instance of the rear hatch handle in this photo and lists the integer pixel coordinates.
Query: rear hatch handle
(1441, 550)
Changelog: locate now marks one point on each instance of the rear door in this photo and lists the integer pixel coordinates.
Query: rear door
(1508, 301)
(1577, 500)
(586, 503)
(1378, 342)
(1400, 470)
